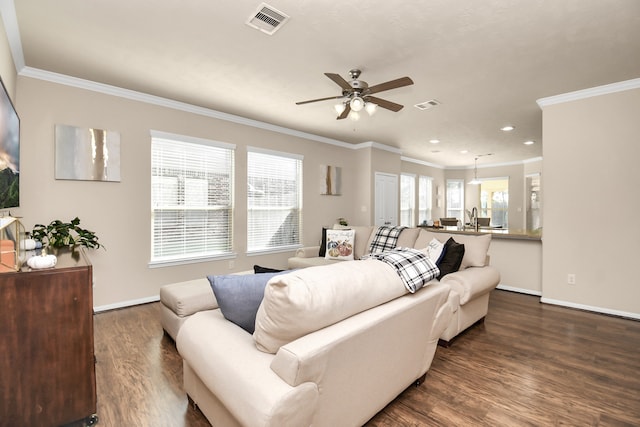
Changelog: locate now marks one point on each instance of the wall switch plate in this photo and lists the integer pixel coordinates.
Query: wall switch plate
(571, 279)
(231, 264)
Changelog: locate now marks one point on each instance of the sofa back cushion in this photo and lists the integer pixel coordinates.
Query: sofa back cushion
(476, 247)
(310, 299)
(406, 239)
(363, 234)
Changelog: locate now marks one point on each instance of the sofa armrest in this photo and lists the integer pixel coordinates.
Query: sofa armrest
(308, 252)
(472, 282)
(225, 359)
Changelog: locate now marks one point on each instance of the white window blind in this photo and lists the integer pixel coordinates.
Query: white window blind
(455, 199)
(407, 199)
(425, 198)
(191, 198)
(274, 200)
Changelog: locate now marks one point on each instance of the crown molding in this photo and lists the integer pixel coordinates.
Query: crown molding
(169, 103)
(379, 146)
(588, 93)
(421, 162)
(10, 20)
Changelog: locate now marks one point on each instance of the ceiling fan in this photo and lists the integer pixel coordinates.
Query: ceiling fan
(357, 94)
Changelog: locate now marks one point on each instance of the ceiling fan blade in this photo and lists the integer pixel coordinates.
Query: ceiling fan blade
(384, 103)
(345, 113)
(337, 79)
(319, 99)
(393, 84)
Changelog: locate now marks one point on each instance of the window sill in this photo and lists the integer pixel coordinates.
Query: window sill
(194, 260)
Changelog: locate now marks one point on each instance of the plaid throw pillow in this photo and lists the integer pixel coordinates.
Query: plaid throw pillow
(413, 266)
(385, 239)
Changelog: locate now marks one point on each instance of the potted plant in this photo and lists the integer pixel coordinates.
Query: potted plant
(60, 234)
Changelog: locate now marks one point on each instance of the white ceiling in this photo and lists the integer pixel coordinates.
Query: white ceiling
(486, 61)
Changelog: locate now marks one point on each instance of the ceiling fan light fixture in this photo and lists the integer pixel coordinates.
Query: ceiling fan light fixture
(354, 115)
(371, 108)
(340, 108)
(356, 103)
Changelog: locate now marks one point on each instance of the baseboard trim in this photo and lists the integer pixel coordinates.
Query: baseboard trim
(618, 313)
(518, 290)
(124, 304)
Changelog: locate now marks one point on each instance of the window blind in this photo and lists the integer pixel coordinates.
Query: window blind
(407, 199)
(425, 199)
(274, 200)
(191, 199)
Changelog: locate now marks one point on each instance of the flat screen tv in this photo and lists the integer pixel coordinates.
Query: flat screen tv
(9, 152)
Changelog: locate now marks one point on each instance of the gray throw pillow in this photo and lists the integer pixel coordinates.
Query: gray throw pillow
(239, 296)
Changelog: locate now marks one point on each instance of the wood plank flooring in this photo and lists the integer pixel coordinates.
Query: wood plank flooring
(529, 364)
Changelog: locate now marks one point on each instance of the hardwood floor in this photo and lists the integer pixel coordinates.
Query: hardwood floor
(529, 364)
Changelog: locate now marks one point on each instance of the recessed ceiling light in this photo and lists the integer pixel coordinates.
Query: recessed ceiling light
(464, 151)
(507, 128)
(434, 141)
(529, 142)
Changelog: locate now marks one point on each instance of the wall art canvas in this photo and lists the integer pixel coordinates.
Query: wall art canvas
(87, 154)
(9, 152)
(330, 180)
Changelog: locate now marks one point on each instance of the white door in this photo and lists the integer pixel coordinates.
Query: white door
(386, 199)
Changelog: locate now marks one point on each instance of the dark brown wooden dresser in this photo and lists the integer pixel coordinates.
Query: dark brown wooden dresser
(47, 362)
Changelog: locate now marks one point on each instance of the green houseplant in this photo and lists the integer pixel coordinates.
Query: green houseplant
(60, 234)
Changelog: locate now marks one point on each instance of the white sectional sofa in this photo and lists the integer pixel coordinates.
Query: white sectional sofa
(333, 345)
(470, 286)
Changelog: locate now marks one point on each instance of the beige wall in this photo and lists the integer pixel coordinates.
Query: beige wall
(519, 263)
(7, 66)
(120, 212)
(591, 203)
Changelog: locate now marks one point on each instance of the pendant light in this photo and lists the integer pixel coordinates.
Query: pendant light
(475, 180)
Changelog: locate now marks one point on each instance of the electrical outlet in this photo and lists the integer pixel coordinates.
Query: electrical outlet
(571, 279)
(231, 264)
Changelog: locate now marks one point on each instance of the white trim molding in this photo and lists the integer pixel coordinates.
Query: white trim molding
(518, 290)
(588, 93)
(10, 20)
(625, 314)
(124, 304)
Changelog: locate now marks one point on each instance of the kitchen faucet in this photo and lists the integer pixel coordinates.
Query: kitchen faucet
(474, 218)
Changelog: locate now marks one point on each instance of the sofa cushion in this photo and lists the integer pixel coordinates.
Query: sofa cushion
(435, 250)
(305, 300)
(340, 244)
(452, 258)
(323, 243)
(186, 298)
(258, 269)
(239, 296)
(363, 234)
(476, 247)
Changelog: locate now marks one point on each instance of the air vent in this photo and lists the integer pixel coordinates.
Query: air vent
(427, 104)
(267, 19)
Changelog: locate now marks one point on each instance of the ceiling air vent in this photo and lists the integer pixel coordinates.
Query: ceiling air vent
(267, 19)
(427, 104)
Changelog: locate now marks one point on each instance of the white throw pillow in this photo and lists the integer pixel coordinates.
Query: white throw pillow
(434, 250)
(340, 244)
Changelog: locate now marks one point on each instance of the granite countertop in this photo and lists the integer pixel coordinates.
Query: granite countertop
(497, 233)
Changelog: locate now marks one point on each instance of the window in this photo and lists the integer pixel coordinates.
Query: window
(425, 200)
(455, 199)
(191, 198)
(274, 200)
(407, 199)
(494, 201)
